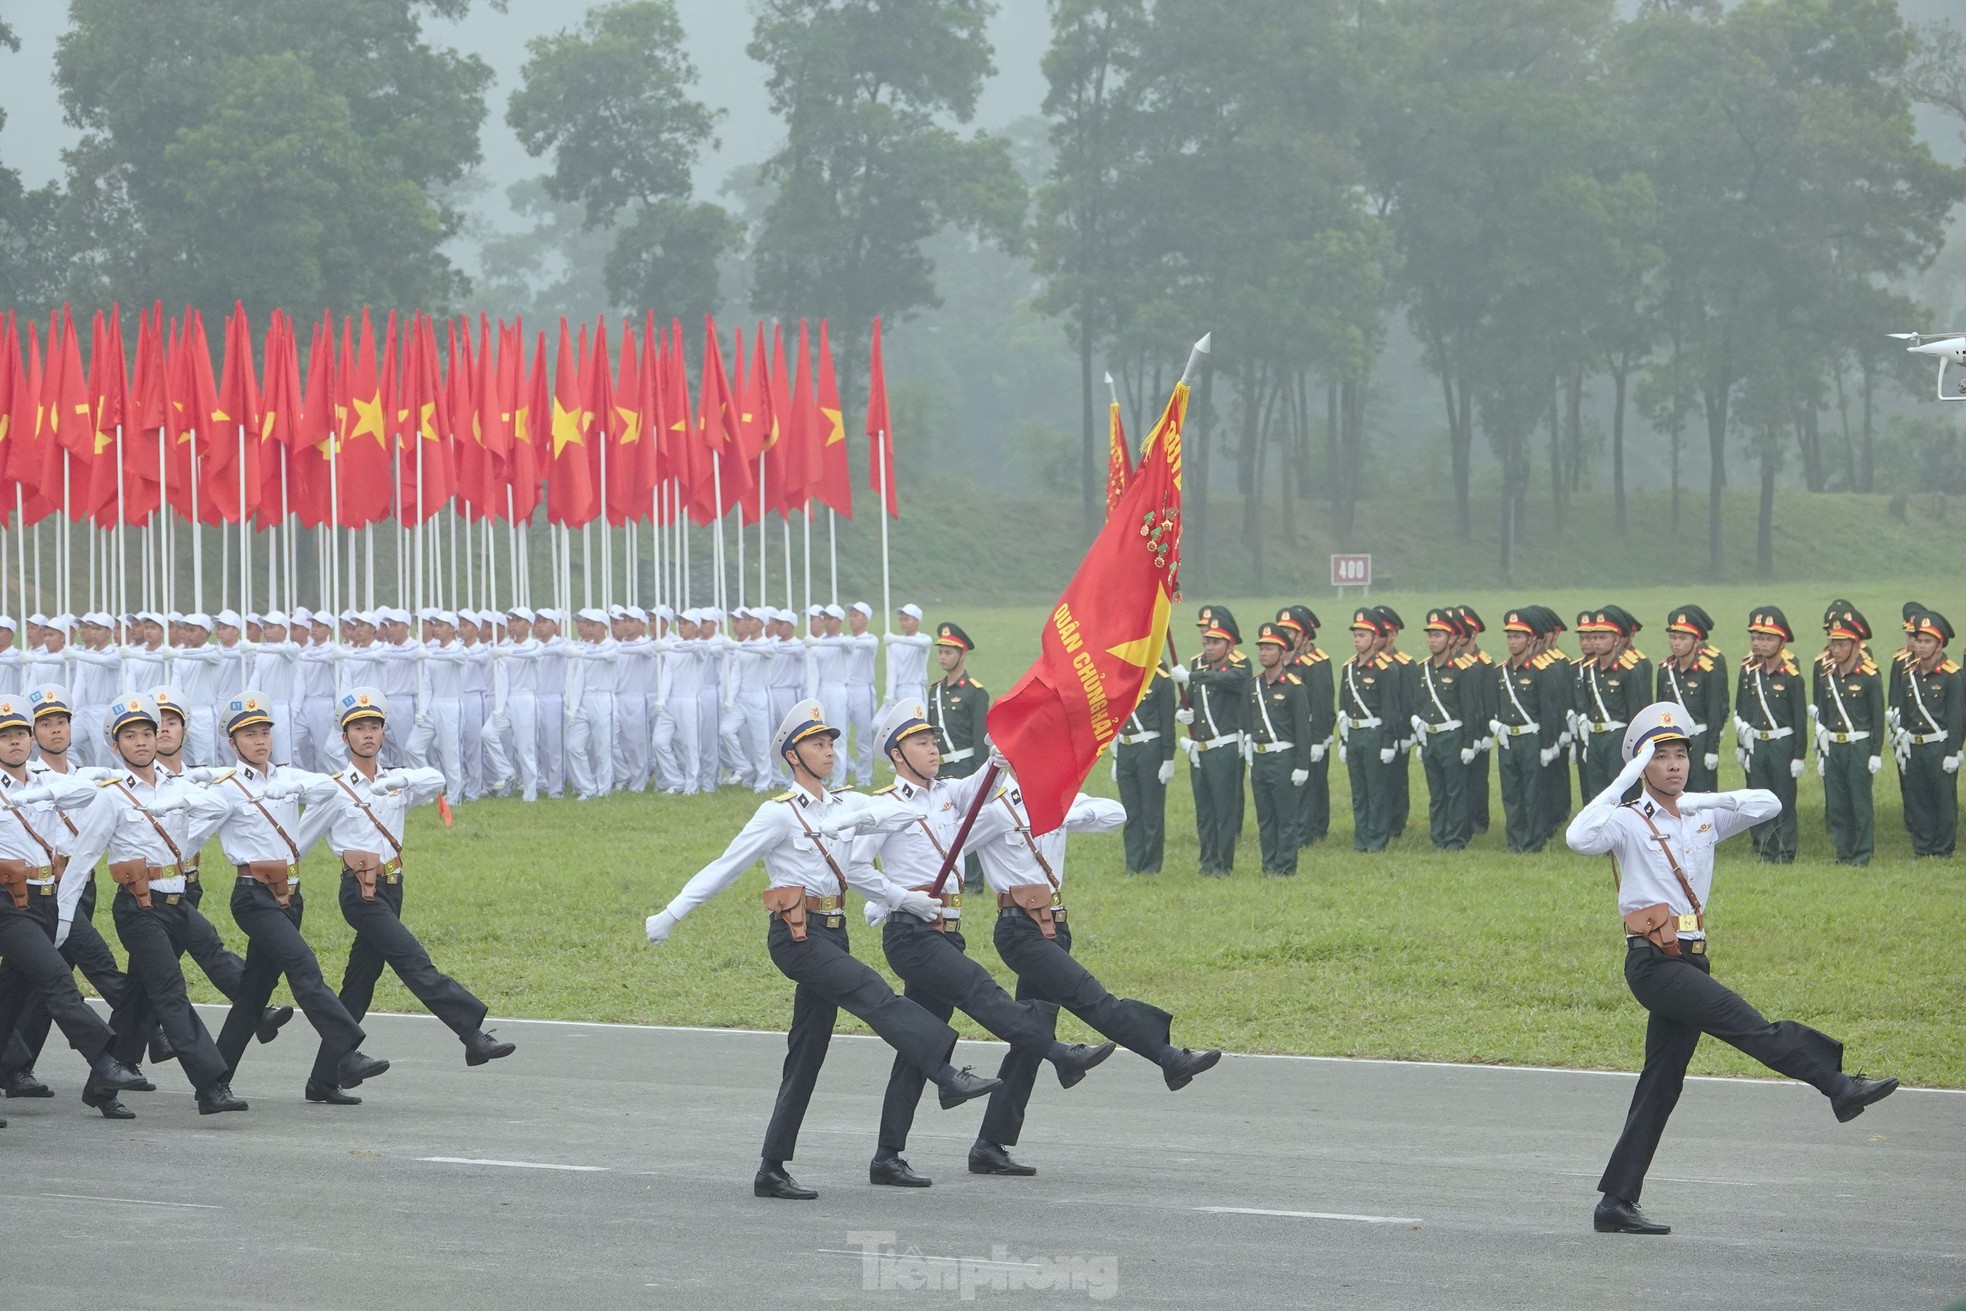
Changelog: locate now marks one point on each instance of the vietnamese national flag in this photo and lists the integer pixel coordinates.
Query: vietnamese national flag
(69, 419)
(627, 493)
(28, 438)
(280, 425)
(757, 403)
(109, 386)
(310, 495)
(224, 452)
(832, 481)
(1103, 638)
(425, 458)
(144, 414)
(364, 457)
(1119, 460)
(533, 405)
(880, 452)
(720, 481)
(192, 401)
(570, 493)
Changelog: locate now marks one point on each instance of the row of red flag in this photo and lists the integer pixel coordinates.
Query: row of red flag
(487, 427)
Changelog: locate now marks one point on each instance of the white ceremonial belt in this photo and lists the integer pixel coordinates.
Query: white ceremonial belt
(1857, 735)
(1519, 730)
(1271, 748)
(1608, 726)
(1133, 739)
(1768, 734)
(1920, 739)
(168, 885)
(1443, 727)
(1226, 740)
(951, 757)
(1350, 722)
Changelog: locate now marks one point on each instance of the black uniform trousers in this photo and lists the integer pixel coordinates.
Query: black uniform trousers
(33, 972)
(274, 947)
(1931, 798)
(1478, 789)
(1145, 798)
(1685, 1002)
(1768, 767)
(1046, 972)
(1698, 777)
(155, 939)
(939, 977)
(381, 938)
(829, 980)
(84, 950)
(1524, 811)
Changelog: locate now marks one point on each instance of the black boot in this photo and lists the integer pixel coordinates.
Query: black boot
(104, 1100)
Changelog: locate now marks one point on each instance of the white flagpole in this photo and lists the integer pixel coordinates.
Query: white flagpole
(791, 601)
(764, 542)
(808, 554)
(833, 554)
(164, 516)
(245, 542)
(197, 533)
(887, 599)
(717, 544)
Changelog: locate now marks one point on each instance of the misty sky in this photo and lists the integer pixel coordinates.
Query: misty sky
(35, 134)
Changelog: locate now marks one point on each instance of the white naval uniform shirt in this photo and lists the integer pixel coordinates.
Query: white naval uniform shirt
(196, 670)
(1644, 875)
(111, 827)
(246, 835)
(911, 857)
(339, 819)
(22, 823)
(77, 788)
(907, 665)
(860, 655)
(785, 834)
(1002, 839)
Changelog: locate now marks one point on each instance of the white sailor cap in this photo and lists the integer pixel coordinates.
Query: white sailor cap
(740, 612)
(427, 614)
(229, 619)
(274, 618)
(247, 709)
(198, 619)
(169, 698)
(362, 703)
(710, 615)
(636, 613)
(1662, 721)
(95, 619)
(912, 610)
(175, 616)
(129, 708)
(38, 619)
(252, 617)
(804, 721)
(522, 612)
(691, 616)
(903, 720)
(393, 614)
(834, 612)
(862, 607)
(373, 618)
(48, 699)
(62, 624)
(617, 611)
(151, 617)
(664, 612)
(815, 611)
(446, 617)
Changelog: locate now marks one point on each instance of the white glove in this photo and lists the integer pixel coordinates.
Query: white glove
(498, 718)
(655, 707)
(1166, 774)
(1713, 762)
(281, 790)
(1795, 767)
(1317, 753)
(392, 781)
(1876, 763)
(1179, 674)
(1341, 753)
(422, 652)
(1116, 767)
(422, 720)
(873, 912)
(1691, 803)
(1184, 716)
(919, 904)
(1467, 755)
(1814, 711)
(168, 805)
(1419, 725)
(62, 929)
(658, 927)
(1822, 766)
(1299, 777)
(1494, 729)
(34, 795)
(1486, 744)
(1634, 770)
(1386, 755)
(1193, 748)
(729, 706)
(1548, 755)
(1950, 764)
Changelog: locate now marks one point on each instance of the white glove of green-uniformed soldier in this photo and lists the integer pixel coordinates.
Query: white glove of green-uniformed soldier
(1795, 767)
(1166, 774)
(1876, 763)
(1950, 764)
(1184, 716)
(1299, 777)
(1713, 762)
(1317, 752)
(1179, 674)
(1341, 753)
(1193, 748)
(1386, 755)
(659, 926)
(1467, 755)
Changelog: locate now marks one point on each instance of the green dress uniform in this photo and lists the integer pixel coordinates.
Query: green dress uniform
(1771, 717)
(1848, 707)
(1559, 707)
(958, 706)
(1441, 722)
(1484, 688)
(1608, 695)
(1700, 685)
(1931, 725)
(1313, 671)
(1894, 680)
(1371, 706)
(1142, 752)
(1523, 743)
(1277, 745)
(1407, 671)
(1216, 696)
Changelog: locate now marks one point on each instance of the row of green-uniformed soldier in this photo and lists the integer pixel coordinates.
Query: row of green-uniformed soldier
(1540, 711)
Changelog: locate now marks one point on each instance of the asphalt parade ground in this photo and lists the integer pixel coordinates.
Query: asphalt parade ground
(603, 1167)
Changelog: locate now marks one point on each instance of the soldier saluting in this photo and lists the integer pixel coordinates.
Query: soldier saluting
(1770, 714)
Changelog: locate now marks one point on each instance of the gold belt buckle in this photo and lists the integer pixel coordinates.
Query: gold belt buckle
(190, 873)
(172, 898)
(46, 889)
(829, 903)
(953, 900)
(293, 871)
(1697, 946)
(1689, 923)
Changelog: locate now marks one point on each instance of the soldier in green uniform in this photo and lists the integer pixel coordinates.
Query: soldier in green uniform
(1313, 670)
(1559, 707)
(1277, 745)
(1894, 679)
(1770, 717)
(1407, 671)
(1440, 720)
(1371, 706)
(1218, 686)
(958, 706)
(1143, 763)
(1847, 706)
(1932, 724)
(1521, 739)
(1693, 675)
(1614, 682)
(1484, 688)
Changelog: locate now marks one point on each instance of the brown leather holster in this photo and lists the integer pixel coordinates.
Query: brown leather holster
(13, 875)
(789, 904)
(365, 866)
(1658, 925)
(1034, 899)
(134, 875)
(273, 875)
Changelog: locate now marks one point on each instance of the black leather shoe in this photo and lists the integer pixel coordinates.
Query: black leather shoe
(142, 1084)
(1850, 1103)
(481, 1047)
(1614, 1215)
(1078, 1059)
(1181, 1069)
(160, 1048)
(354, 1067)
(988, 1158)
(271, 1020)
(776, 1183)
(330, 1095)
(22, 1083)
(217, 1099)
(966, 1086)
(894, 1171)
(105, 1101)
(110, 1075)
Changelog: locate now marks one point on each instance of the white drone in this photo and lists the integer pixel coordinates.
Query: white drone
(1948, 347)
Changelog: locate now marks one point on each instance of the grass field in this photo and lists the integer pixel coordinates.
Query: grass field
(1478, 956)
